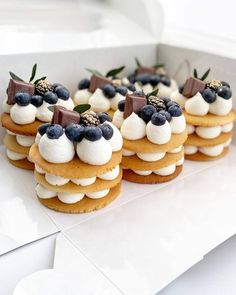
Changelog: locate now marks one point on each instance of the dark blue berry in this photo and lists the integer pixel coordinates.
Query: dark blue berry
(92, 133)
(107, 131)
(154, 80)
(166, 114)
(121, 105)
(50, 97)
(37, 100)
(75, 132)
(181, 88)
(143, 78)
(84, 84)
(22, 99)
(54, 131)
(55, 85)
(43, 128)
(146, 112)
(109, 91)
(175, 111)
(158, 119)
(165, 80)
(131, 87)
(103, 117)
(138, 93)
(122, 90)
(171, 103)
(131, 78)
(225, 84)
(209, 95)
(166, 100)
(224, 92)
(62, 92)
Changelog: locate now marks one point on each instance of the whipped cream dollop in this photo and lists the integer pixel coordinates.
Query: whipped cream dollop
(25, 140)
(37, 138)
(165, 171)
(118, 118)
(82, 96)
(23, 114)
(59, 150)
(178, 124)
(127, 153)
(15, 156)
(221, 106)
(43, 113)
(39, 169)
(70, 198)
(190, 149)
(98, 102)
(10, 132)
(110, 175)
(56, 180)
(116, 140)
(158, 134)
(227, 127)
(133, 127)
(176, 150)
(68, 104)
(44, 193)
(196, 105)
(151, 157)
(98, 194)
(208, 132)
(115, 100)
(5, 106)
(190, 129)
(178, 97)
(84, 181)
(212, 151)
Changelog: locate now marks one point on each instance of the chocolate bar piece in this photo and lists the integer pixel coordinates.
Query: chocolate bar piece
(146, 70)
(192, 86)
(64, 117)
(15, 86)
(98, 82)
(134, 103)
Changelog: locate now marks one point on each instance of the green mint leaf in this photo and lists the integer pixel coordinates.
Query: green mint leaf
(157, 66)
(33, 73)
(114, 72)
(36, 81)
(15, 77)
(195, 75)
(153, 93)
(81, 108)
(51, 108)
(94, 72)
(138, 63)
(206, 74)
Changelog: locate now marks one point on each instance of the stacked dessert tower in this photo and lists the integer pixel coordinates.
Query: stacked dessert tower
(103, 92)
(209, 116)
(25, 108)
(77, 161)
(153, 131)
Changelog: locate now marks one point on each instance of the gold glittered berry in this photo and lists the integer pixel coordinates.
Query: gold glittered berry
(157, 102)
(43, 86)
(89, 119)
(214, 84)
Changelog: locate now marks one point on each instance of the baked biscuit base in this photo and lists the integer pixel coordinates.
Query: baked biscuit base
(23, 164)
(201, 157)
(134, 163)
(11, 144)
(27, 129)
(83, 206)
(145, 146)
(209, 120)
(110, 113)
(74, 168)
(71, 187)
(194, 139)
(150, 179)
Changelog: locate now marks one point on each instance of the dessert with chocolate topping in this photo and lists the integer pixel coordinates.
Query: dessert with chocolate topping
(153, 130)
(207, 106)
(77, 161)
(25, 108)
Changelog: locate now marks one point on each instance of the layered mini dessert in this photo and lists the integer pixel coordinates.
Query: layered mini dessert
(209, 116)
(103, 92)
(149, 78)
(25, 108)
(77, 161)
(153, 131)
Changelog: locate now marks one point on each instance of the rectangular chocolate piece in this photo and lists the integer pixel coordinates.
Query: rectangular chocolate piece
(146, 70)
(64, 117)
(15, 86)
(192, 86)
(98, 82)
(133, 103)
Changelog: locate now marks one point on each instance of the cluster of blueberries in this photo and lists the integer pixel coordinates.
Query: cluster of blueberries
(51, 97)
(152, 79)
(109, 90)
(157, 115)
(76, 132)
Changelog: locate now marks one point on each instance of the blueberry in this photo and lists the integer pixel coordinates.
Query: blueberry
(146, 112)
(43, 128)
(121, 105)
(62, 92)
(166, 114)
(50, 97)
(143, 78)
(109, 91)
(54, 131)
(107, 131)
(154, 80)
(92, 133)
(103, 117)
(37, 100)
(131, 87)
(122, 90)
(55, 85)
(225, 84)
(171, 103)
(84, 84)
(166, 100)
(158, 119)
(22, 99)
(132, 78)
(165, 80)
(75, 132)
(224, 92)
(209, 95)
(181, 88)
(138, 93)
(175, 111)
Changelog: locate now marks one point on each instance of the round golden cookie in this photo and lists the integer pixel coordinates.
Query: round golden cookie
(150, 179)
(209, 120)
(71, 187)
(83, 206)
(145, 146)
(134, 163)
(74, 168)
(23, 164)
(195, 140)
(110, 113)
(11, 144)
(27, 129)
(201, 157)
